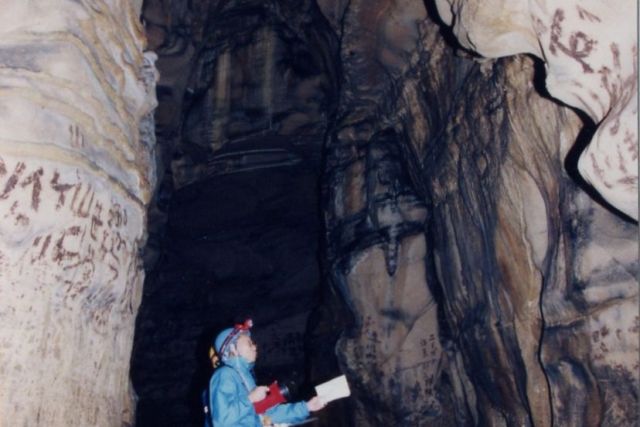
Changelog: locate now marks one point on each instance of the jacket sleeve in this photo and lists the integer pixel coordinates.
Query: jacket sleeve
(288, 413)
(229, 401)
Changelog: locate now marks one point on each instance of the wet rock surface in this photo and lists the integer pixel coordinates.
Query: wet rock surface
(476, 282)
(490, 156)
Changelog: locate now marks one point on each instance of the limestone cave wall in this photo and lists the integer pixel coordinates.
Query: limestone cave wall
(480, 275)
(437, 198)
(76, 175)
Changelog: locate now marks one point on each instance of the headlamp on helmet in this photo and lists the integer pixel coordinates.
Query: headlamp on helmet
(224, 340)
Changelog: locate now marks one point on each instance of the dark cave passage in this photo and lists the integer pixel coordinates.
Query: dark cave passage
(237, 228)
(380, 203)
(436, 199)
(244, 244)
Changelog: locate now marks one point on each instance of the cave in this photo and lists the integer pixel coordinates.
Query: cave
(437, 199)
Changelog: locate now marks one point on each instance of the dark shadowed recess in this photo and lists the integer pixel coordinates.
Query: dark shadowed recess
(247, 95)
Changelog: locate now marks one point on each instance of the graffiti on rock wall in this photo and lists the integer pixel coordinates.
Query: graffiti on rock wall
(579, 47)
(65, 220)
(590, 53)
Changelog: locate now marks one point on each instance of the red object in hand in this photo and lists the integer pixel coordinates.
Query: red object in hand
(275, 397)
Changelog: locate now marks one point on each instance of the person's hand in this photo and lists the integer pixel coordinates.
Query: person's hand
(315, 404)
(266, 421)
(258, 393)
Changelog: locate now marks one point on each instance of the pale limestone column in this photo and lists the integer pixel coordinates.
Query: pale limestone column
(76, 93)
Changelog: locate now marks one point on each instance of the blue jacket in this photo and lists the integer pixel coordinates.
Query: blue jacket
(229, 402)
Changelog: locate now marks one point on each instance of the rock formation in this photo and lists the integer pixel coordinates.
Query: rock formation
(395, 189)
(518, 264)
(590, 52)
(76, 174)
(246, 94)
(483, 284)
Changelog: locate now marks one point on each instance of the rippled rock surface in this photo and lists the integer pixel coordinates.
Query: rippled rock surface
(76, 174)
(523, 270)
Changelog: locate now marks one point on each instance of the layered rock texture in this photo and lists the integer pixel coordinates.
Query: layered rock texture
(590, 51)
(76, 173)
(521, 271)
(481, 279)
(434, 197)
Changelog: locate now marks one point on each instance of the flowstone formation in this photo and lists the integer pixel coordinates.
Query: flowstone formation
(76, 174)
(533, 283)
(590, 52)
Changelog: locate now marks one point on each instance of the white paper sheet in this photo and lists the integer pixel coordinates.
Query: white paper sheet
(336, 388)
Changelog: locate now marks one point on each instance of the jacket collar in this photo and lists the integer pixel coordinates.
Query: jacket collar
(243, 368)
(240, 364)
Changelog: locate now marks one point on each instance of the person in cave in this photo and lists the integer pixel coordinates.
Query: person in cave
(232, 392)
